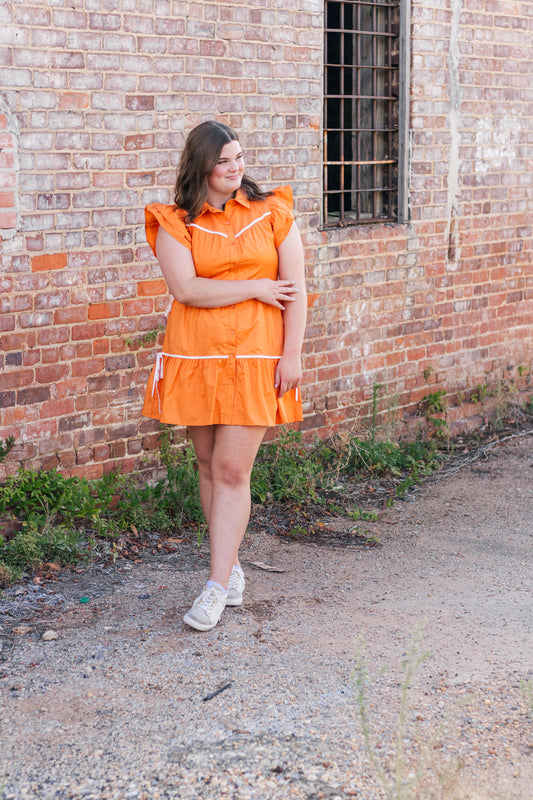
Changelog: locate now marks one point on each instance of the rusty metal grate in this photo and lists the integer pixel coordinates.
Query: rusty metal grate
(361, 111)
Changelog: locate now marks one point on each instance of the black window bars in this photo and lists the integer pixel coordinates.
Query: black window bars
(363, 105)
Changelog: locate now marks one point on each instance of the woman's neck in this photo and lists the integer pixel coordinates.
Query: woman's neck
(218, 201)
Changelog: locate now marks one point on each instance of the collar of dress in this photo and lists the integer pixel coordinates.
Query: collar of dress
(239, 198)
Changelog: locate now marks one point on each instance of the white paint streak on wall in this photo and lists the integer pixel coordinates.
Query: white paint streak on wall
(496, 142)
(13, 129)
(454, 118)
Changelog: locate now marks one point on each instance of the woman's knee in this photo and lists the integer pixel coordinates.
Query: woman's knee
(231, 473)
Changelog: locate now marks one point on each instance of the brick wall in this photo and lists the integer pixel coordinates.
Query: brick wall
(96, 98)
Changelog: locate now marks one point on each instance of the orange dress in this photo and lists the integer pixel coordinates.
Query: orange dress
(217, 364)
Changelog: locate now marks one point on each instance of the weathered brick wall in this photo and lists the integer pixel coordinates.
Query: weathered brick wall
(96, 98)
(450, 293)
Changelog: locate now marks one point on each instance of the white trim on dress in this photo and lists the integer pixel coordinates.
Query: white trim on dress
(268, 214)
(206, 230)
(158, 371)
(225, 235)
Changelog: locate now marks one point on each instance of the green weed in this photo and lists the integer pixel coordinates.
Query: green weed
(200, 535)
(6, 445)
(8, 573)
(173, 502)
(34, 546)
(359, 514)
(402, 777)
(148, 338)
(418, 458)
(40, 496)
(434, 407)
(298, 531)
(480, 393)
(289, 469)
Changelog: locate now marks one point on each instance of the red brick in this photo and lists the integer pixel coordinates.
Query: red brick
(51, 374)
(33, 396)
(137, 308)
(100, 346)
(104, 310)
(89, 331)
(90, 471)
(101, 452)
(153, 287)
(48, 262)
(140, 102)
(139, 141)
(57, 408)
(66, 316)
(11, 379)
(91, 366)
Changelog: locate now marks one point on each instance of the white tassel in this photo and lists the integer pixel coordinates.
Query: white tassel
(158, 372)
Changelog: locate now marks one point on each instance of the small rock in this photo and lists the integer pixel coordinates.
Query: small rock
(49, 636)
(21, 630)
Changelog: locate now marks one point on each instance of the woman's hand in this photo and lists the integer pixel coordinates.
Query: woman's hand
(275, 293)
(288, 373)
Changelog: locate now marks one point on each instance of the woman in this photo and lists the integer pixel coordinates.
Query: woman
(230, 367)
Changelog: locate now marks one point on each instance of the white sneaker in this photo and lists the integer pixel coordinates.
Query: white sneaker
(206, 609)
(235, 587)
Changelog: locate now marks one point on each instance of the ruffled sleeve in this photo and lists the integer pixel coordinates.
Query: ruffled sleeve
(281, 210)
(171, 219)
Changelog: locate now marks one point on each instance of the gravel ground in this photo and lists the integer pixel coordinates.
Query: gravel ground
(124, 703)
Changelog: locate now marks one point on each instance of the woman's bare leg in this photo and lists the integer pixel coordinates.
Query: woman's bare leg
(225, 462)
(203, 439)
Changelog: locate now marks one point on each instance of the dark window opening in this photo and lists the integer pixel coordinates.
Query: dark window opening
(362, 110)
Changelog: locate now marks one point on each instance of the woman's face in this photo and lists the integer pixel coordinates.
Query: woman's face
(225, 178)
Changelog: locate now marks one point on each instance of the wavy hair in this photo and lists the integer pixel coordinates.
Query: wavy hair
(200, 155)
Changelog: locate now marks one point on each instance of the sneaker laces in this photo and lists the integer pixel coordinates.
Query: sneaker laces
(208, 599)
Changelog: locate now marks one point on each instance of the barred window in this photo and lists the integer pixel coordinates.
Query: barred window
(365, 111)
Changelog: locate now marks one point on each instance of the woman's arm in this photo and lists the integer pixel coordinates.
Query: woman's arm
(186, 287)
(291, 268)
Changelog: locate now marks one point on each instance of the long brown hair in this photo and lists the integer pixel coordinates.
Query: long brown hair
(199, 157)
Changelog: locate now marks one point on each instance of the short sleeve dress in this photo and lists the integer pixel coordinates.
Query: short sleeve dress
(217, 364)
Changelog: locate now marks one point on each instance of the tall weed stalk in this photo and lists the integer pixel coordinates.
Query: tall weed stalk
(399, 777)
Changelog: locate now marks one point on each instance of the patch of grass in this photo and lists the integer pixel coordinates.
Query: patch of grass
(369, 456)
(8, 573)
(289, 469)
(36, 545)
(65, 519)
(56, 519)
(168, 505)
(40, 496)
(53, 518)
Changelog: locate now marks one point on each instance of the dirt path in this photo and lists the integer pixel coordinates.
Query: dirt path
(117, 706)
